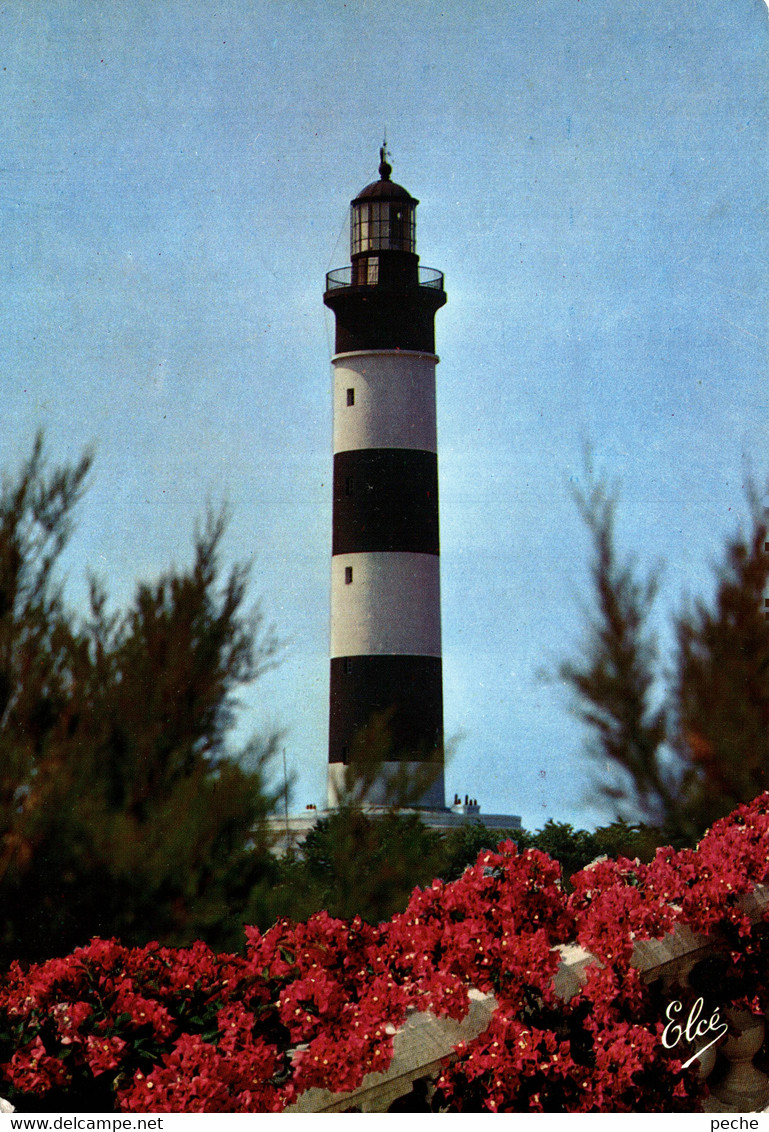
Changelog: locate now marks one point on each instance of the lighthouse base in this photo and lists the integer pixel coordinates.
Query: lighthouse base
(412, 785)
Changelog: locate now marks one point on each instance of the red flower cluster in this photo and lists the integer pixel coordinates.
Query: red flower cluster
(317, 1004)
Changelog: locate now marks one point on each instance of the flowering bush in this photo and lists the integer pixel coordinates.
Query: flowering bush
(317, 1004)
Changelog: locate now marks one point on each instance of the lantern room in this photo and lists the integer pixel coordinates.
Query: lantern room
(383, 232)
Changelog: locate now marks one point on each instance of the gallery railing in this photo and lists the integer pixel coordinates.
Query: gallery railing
(343, 277)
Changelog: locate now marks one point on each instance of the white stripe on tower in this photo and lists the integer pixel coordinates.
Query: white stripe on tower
(385, 604)
(384, 399)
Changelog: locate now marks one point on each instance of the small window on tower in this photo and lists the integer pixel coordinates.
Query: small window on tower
(372, 277)
(350, 396)
(349, 485)
(348, 577)
(348, 666)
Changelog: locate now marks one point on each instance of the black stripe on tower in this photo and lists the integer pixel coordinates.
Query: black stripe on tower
(405, 692)
(385, 499)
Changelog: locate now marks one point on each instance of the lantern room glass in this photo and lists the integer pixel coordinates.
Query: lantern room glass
(382, 225)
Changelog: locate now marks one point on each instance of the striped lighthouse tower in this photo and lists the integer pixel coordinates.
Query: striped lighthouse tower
(385, 582)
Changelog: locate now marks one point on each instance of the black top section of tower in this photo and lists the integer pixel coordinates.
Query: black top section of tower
(384, 300)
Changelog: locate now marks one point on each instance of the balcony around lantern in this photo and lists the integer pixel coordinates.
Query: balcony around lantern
(342, 278)
(385, 301)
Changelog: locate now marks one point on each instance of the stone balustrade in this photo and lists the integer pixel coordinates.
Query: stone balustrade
(734, 1067)
(419, 1048)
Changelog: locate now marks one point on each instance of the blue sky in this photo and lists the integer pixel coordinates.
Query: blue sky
(175, 179)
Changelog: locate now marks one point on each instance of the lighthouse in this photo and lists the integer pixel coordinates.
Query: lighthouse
(386, 675)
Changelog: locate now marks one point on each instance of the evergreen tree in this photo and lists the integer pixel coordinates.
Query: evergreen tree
(721, 686)
(686, 747)
(358, 863)
(123, 810)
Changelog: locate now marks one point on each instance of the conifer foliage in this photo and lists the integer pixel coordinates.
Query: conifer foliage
(688, 736)
(123, 809)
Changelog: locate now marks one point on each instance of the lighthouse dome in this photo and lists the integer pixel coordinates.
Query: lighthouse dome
(384, 188)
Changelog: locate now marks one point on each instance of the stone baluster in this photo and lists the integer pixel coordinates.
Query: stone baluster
(743, 1088)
